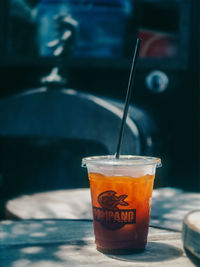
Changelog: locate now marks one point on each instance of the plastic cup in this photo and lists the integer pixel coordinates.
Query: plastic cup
(121, 191)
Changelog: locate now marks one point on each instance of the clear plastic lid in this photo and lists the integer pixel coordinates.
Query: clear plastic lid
(124, 160)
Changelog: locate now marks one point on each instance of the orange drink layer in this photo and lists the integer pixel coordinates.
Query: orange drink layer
(121, 203)
(131, 226)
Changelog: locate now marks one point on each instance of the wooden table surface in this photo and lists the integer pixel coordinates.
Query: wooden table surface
(47, 243)
(169, 206)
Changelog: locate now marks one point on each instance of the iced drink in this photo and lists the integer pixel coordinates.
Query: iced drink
(121, 193)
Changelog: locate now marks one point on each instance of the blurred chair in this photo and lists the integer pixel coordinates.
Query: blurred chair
(45, 133)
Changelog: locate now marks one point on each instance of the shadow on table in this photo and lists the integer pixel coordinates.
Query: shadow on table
(42, 243)
(170, 205)
(155, 252)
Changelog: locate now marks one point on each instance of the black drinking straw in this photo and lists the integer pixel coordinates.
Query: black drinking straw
(128, 95)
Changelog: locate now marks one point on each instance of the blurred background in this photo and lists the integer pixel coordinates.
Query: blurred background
(88, 45)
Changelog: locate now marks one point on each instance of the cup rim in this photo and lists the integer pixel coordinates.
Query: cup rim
(124, 160)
